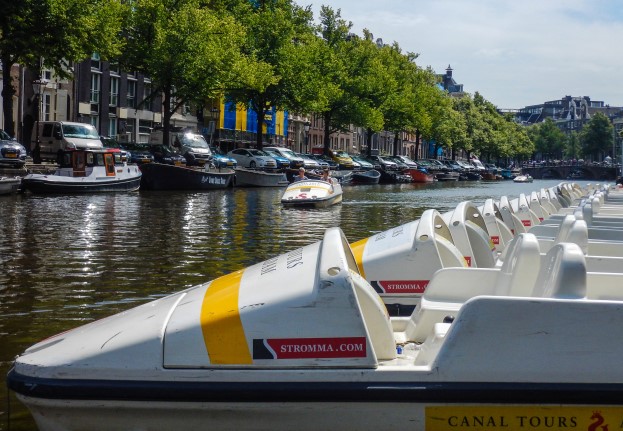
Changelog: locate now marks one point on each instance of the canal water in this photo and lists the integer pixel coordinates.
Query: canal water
(68, 260)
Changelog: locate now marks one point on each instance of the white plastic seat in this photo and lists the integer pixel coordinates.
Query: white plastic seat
(469, 235)
(451, 287)
(499, 233)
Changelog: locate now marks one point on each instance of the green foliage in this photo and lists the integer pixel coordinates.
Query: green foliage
(596, 137)
(280, 37)
(548, 139)
(52, 33)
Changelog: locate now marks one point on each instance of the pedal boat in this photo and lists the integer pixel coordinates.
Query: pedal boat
(314, 193)
(303, 342)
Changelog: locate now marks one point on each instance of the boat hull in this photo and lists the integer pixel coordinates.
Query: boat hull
(419, 176)
(9, 185)
(158, 176)
(254, 178)
(366, 177)
(44, 184)
(371, 406)
(312, 193)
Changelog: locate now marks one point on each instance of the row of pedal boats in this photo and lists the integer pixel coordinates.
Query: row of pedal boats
(501, 315)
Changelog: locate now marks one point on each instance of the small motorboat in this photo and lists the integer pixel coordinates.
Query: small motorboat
(86, 171)
(369, 176)
(9, 185)
(312, 193)
(161, 176)
(260, 178)
(527, 178)
(420, 175)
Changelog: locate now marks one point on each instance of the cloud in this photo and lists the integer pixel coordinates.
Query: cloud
(513, 53)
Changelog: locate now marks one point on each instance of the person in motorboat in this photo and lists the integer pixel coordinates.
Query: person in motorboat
(325, 175)
(301, 176)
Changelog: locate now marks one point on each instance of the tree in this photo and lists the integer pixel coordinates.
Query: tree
(548, 139)
(279, 35)
(52, 34)
(573, 148)
(596, 136)
(189, 51)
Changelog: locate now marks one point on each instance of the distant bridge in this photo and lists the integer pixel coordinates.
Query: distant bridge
(580, 172)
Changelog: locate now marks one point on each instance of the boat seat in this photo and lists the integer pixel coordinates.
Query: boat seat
(562, 274)
(513, 222)
(376, 319)
(451, 287)
(469, 234)
(499, 234)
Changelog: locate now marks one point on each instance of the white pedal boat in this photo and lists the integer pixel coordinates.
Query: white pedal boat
(312, 193)
(302, 342)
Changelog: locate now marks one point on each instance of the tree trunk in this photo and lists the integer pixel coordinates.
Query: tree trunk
(395, 144)
(259, 136)
(7, 96)
(166, 126)
(369, 134)
(417, 144)
(327, 134)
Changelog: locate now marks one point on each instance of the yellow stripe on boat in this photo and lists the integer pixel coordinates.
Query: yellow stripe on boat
(358, 249)
(221, 325)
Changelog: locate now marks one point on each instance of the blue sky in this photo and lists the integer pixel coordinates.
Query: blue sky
(515, 53)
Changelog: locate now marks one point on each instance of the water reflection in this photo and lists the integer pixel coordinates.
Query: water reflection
(66, 260)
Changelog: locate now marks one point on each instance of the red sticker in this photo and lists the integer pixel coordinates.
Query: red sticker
(403, 286)
(312, 348)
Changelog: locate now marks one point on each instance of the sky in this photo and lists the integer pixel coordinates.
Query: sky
(514, 53)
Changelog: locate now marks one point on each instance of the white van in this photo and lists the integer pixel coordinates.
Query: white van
(190, 145)
(64, 135)
(295, 161)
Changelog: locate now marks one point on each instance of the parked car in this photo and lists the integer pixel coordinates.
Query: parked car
(221, 160)
(282, 162)
(400, 163)
(138, 153)
(332, 163)
(122, 155)
(252, 158)
(383, 162)
(342, 158)
(363, 163)
(166, 155)
(320, 160)
(295, 161)
(407, 161)
(309, 162)
(12, 153)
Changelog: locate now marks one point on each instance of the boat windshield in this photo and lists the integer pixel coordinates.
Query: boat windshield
(80, 131)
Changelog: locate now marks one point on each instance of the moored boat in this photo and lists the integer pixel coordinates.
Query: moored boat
(86, 171)
(420, 175)
(220, 356)
(369, 176)
(160, 176)
(527, 178)
(9, 185)
(260, 178)
(312, 193)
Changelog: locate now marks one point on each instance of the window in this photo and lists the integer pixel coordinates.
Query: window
(114, 92)
(47, 74)
(94, 120)
(131, 94)
(96, 62)
(47, 102)
(147, 93)
(112, 127)
(114, 67)
(95, 88)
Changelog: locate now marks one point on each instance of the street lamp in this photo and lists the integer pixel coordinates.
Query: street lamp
(306, 127)
(38, 87)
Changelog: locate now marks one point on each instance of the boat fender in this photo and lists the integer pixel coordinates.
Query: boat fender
(448, 319)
